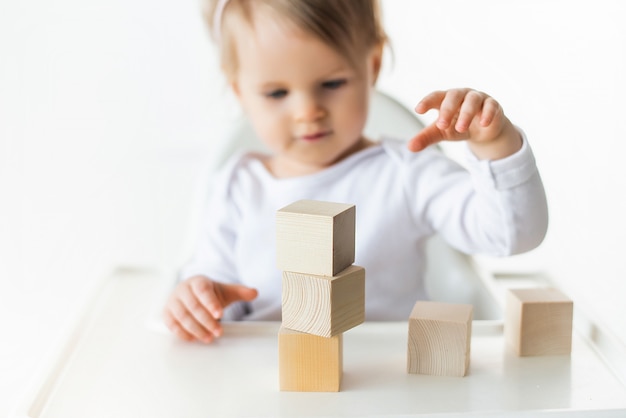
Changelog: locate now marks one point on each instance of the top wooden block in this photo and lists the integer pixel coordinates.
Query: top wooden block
(315, 237)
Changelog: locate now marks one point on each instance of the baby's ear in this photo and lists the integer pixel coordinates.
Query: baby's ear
(376, 60)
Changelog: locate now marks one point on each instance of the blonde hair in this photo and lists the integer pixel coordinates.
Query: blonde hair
(351, 27)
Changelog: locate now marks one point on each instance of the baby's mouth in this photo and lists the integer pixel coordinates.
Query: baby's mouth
(316, 135)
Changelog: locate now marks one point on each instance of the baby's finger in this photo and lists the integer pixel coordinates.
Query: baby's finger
(472, 104)
(173, 325)
(449, 107)
(187, 322)
(427, 136)
(431, 101)
(201, 300)
(198, 309)
(200, 313)
(491, 108)
(207, 293)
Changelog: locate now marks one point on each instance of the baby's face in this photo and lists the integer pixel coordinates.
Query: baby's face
(307, 103)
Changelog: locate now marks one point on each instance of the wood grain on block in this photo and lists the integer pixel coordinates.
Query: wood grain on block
(309, 363)
(439, 339)
(315, 237)
(323, 305)
(538, 321)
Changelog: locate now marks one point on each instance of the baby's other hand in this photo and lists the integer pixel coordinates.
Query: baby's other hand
(466, 114)
(194, 308)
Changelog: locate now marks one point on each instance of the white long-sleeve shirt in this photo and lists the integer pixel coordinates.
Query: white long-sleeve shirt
(402, 198)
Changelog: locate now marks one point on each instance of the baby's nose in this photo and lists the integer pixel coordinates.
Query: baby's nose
(309, 109)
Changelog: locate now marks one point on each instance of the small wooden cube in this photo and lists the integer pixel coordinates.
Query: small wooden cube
(309, 363)
(538, 322)
(439, 339)
(321, 305)
(315, 237)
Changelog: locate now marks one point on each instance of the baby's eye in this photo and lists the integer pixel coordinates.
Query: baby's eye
(276, 94)
(334, 84)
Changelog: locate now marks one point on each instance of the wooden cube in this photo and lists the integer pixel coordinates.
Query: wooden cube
(315, 237)
(309, 363)
(538, 322)
(439, 339)
(322, 305)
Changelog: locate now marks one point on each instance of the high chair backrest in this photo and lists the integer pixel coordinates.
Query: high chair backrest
(450, 275)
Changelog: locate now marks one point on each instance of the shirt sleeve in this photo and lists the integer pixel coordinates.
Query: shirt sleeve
(495, 207)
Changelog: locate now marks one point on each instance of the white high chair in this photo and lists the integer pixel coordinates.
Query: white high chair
(450, 275)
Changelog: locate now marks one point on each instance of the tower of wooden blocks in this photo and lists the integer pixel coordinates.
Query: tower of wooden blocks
(538, 322)
(323, 292)
(439, 339)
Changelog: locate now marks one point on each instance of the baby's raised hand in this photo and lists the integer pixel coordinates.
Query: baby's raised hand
(194, 308)
(466, 114)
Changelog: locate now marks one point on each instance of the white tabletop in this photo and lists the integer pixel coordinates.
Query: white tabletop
(115, 365)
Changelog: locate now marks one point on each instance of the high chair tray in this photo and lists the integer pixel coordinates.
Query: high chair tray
(113, 365)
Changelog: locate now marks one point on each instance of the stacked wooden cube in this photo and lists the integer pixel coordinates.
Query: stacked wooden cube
(323, 292)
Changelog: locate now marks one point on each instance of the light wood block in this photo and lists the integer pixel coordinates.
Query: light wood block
(538, 322)
(309, 363)
(321, 305)
(439, 339)
(315, 237)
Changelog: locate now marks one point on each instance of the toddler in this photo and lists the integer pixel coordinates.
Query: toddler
(303, 71)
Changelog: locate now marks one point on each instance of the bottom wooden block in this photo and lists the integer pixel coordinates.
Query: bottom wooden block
(538, 322)
(309, 363)
(439, 339)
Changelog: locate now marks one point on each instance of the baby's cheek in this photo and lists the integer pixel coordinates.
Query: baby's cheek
(358, 117)
(360, 106)
(274, 134)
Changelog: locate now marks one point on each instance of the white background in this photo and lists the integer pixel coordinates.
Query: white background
(109, 109)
